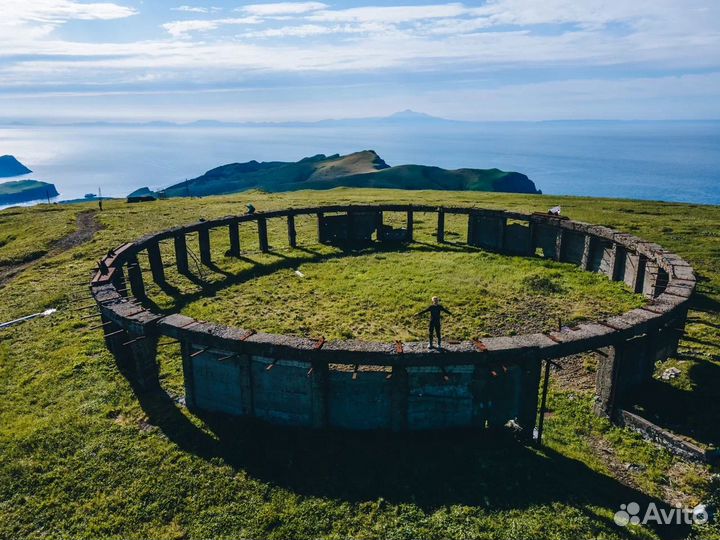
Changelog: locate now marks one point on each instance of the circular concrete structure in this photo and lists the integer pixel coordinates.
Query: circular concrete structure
(397, 386)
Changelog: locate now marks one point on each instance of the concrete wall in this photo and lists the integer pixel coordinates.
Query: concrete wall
(359, 385)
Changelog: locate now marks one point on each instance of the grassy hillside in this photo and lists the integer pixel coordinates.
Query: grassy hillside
(25, 190)
(361, 169)
(83, 456)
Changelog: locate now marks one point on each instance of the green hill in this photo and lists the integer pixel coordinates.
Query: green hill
(9, 166)
(360, 169)
(25, 190)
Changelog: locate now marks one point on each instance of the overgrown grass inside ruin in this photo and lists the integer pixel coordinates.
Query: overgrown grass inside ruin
(377, 295)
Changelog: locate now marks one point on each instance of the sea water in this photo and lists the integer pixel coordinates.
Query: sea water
(666, 161)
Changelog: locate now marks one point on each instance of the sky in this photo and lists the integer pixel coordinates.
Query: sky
(133, 60)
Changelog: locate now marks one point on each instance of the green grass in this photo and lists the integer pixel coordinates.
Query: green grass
(376, 296)
(83, 456)
(28, 233)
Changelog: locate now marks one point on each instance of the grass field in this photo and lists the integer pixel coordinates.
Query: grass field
(84, 456)
(377, 296)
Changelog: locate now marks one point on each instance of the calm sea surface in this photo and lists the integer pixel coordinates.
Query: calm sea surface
(668, 161)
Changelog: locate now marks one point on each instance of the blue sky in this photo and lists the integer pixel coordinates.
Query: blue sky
(229, 60)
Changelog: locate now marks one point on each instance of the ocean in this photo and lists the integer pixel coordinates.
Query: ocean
(665, 161)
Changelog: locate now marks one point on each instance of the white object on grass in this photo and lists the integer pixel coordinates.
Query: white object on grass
(555, 210)
(27, 318)
(299, 273)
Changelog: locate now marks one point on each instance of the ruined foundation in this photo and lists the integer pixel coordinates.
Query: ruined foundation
(399, 386)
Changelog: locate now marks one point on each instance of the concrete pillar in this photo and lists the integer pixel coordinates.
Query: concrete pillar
(399, 399)
(502, 225)
(144, 361)
(559, 244)
(471, 228)
(156, 263)
(136, 278)
(119, 281)
(319, 390)
(441, 226)
(292, 233)
(605, 382)
(621, 368)
(181, 254)
(136, 356)
(113, 339)
(350, 225)
(639, 280)
(188, 374)
(262, 234)
(234, 233)
(650, 280)
(612, 263)
(320, 216)
(528, 407)
(587, 252)
(618, 267)
(409, 229)
(532, 246)
(204, 238)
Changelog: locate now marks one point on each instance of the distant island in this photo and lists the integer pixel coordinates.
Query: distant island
(360, 169)
(9, 166)
(19, 191)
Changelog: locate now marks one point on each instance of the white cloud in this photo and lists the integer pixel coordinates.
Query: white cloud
(196, 9)
(184, 28)
(500, 36)
(307, 30)
(281, 8)
(390, 14)
(59, 11)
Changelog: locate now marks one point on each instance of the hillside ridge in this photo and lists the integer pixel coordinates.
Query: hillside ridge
(358, 169)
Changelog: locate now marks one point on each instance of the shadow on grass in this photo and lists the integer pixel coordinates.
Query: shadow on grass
(696, 412)
(483, 469)
(210, 288)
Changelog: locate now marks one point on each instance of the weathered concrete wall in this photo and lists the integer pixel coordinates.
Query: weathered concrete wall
(546, 240)
(518, 238)
(358, 385)
(486, 231)
(573, 247)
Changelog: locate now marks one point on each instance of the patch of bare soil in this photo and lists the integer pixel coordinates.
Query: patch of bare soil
(87, 225)
(577, 373)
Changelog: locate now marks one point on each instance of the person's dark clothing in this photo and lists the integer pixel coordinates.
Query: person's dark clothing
(435, 310)
(435, 328)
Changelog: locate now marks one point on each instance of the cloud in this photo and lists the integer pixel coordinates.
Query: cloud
(504, 41)
(60, 11)
(196, 9)
(281, 8)
(391, 14)
(181, 29)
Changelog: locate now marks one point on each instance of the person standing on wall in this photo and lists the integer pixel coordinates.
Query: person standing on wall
(435, 309)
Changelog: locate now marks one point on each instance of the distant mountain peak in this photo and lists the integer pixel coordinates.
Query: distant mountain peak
(409, 114)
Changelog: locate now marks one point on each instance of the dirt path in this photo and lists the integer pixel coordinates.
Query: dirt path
(87, 225)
